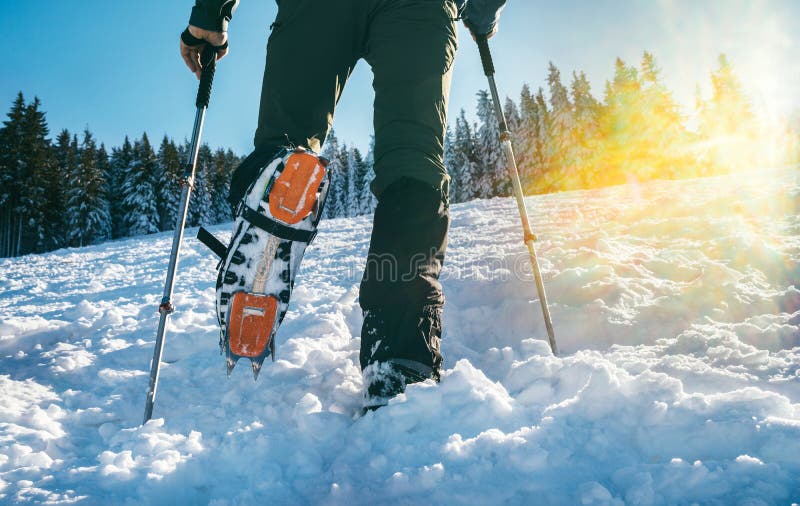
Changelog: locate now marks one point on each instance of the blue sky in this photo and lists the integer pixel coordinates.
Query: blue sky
(114, 65)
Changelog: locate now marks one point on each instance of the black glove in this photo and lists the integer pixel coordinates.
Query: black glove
(482, 16)
(212, 15)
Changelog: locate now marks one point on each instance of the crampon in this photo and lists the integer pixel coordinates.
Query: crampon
(275, 222)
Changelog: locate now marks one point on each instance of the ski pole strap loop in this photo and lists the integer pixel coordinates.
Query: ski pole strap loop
(277, 229)
(189, 39)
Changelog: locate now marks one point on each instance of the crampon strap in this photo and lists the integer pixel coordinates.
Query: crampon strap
(279, 230)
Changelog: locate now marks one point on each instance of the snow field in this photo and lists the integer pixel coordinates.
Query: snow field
(676, 306)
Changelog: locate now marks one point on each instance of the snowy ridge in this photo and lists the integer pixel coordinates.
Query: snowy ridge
(676, 306)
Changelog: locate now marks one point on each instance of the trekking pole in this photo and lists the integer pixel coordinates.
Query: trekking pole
(208, 60)
(513, 173)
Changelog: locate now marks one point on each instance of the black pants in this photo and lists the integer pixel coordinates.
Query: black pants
(314, 46)
(400, 292)
(410, 45)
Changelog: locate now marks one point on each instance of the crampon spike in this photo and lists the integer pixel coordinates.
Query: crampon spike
(251, 329)
(256, 364)
(230, 362)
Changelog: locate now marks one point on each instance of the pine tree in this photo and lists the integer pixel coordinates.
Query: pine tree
(331, 153)
(10, 169)
(526, 139)
(121, 163)
(492, 180)
(361, 180)
(621, 126)
(464, 170)
(663, 136)
(74, 184)
(138, 191)
(727, 122)
(511, 112)
(87, 210)
(366, 197)
(168, 188)
(104, 169)
(543, 151)
(200, 212)
(65, 162)
(352, 205)
(450, 161)
(232, 161)
(562, 126)
(586, 130)
(514, 123)
(17, 178)
(219, 184)
(341, 183)
(36, 167)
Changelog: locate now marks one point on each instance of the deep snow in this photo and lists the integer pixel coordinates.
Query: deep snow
(676, 306)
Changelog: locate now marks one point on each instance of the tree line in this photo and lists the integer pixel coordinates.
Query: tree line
(72, 192)
(567, 139)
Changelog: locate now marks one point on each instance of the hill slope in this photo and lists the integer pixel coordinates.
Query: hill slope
(676, 306)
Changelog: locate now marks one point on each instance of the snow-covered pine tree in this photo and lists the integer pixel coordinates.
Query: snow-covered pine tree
(352, 204)
(232, 161)
(65, 161)
(621, 126)
(511, 112)
(514, 123)
(366, 198)
(663, 132)
(219, 183)
(341, 183)
(168, 188)
(361, 180)
(464, 170)
(525, 147)
(562, 126)
(139, 206)
(121, 161)
(11, 139)
(450, 160)
(331, 153)
(200, 212)
(544, 161)
(727, 122)
(104, 168)
(88, 217)
(586, 130)
(36, 167)
(492, 180)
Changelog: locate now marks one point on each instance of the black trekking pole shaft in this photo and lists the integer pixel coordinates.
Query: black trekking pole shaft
(513, 173)
(208, 58)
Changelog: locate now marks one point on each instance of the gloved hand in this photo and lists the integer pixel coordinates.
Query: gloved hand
(193, 39)
(208, 24)
(481, 17)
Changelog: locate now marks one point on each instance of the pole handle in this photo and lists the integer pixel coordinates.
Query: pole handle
(208, 60)
(486, 55)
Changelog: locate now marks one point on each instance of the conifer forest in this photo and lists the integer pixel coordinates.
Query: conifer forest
(69, 190)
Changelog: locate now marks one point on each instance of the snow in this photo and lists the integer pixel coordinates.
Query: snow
(676, 306)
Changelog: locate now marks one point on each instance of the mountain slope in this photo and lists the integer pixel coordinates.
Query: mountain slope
(676, 306)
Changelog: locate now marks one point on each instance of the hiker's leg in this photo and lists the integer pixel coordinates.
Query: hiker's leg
(311, 52)
(411, 47)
